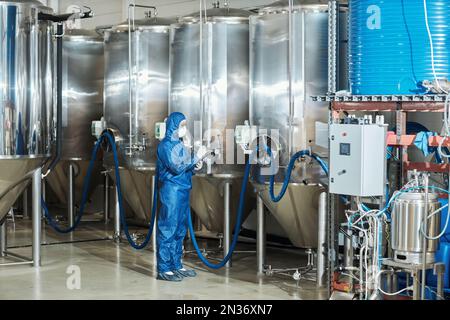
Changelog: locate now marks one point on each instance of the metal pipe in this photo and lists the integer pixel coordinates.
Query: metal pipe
(106, 198)
(25, 213)
(416, 285)
(10, 264)
(322, 240)
(3, 239)
(131, 28)
(44, 189)
(261, 236)
(59, 99)
(130, 79)
(425, 240)
(395, 282)
(333, 6)
(71, 196)
(291, 80)
(36, 216)
(348, 254)
(389, 281)
(226, 222)
(17, 256)
(155, 225)
(43, 194)
(440, 271)
(200, 73)
(208, 96)
(117, 232)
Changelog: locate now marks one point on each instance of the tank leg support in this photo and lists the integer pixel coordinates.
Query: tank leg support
(44, 191)
(226, 224)
(416, 285)
(439, 270)
(106, 198)
(70, 196)
(261, 236)
(3, 239)
(36, 218)
(117, 231)
(25, 213)
(322, 240)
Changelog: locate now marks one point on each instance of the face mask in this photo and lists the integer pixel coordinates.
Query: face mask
(182, 131)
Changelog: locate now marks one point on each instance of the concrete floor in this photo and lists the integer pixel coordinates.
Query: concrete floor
(110, 271)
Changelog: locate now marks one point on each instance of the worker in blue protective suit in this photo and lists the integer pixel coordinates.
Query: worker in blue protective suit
(176, 167)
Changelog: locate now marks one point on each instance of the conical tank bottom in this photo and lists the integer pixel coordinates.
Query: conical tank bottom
(207, 201)
(137, 191)
(297, 212)
(58, 179)
(11, 173)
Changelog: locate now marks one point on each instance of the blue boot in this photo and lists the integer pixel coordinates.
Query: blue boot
(169, 276)
(185, 273)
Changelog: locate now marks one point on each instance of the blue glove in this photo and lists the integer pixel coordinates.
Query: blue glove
(421, 142)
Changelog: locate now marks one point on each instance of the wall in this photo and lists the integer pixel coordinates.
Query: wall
(108, 12)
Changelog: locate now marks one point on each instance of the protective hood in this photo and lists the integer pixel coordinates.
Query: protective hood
(173, 123)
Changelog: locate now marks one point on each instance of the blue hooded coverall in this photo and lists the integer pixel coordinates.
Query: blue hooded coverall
(176, 167)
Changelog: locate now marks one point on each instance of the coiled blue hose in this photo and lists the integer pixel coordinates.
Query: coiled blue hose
(109, 138)
(237, 228)
(287, 178)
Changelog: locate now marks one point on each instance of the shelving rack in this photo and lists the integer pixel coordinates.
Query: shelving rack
(401, 105)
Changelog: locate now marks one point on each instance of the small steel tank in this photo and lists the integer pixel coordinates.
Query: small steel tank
(83, 80)
(133, 124)
(26, 95)
(289, 66)
(209, 68)
(408, 215)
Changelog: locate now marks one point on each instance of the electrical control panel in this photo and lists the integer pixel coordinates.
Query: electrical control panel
(358, 157)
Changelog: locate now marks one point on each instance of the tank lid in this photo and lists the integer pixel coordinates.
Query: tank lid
(82, 33)
(144, 24)
(411, 196)
(283, 5)
(218, 14)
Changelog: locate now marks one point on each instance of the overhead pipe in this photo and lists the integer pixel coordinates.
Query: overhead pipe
(59, 19)
(131, 27)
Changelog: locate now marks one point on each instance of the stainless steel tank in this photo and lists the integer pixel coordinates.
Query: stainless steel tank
(408, 215)
(26, 95)
(209, 84)
(83, 81)
(133, 124)
(289, 64)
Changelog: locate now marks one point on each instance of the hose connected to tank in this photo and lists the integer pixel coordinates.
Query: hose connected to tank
(110, 140)
(242, 203)
(237, 227)
(287, 178)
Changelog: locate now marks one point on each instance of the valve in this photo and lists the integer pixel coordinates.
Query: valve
(245, 135)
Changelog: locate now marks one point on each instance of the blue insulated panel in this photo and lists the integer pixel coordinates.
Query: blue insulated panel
(390, 51)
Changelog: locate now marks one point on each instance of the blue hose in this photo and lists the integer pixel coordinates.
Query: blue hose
(242, 203)
(87, 180)
(287, 178)
(237, 228)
